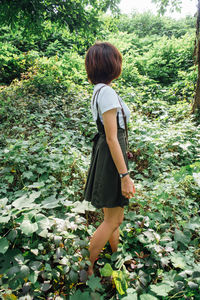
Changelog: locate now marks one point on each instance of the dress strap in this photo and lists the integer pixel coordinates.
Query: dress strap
(98, 118)
(97, 93)
(124, 118)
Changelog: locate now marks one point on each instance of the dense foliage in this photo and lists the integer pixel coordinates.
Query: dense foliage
(75, 14)
(45, 133)
(147, 24)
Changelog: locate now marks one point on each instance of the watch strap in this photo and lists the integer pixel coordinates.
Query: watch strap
(122, 175)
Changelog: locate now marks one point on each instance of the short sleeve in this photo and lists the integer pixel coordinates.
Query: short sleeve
(107, 100)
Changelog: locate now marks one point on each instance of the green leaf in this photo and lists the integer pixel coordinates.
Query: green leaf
(161, 289)
(50, 202)
(26, 201)
(45, 286)
(3, 202)
(179, 236)
(106, 270)
(193, 224)
(150, 236)
(27, 174)
(36, 265)
(10, 178)
(33, 277)
(13, 271)
(196, 274)
(24, 271)
(19, 259)
(131, 297)
(95, 296)
(4, 245)
(80, 296)
(12, 235)
(21, 202)
(193, 285)
(94, 283)
(107, 255)
(42, 221)
(37, 185)
(48, 267)
(4, 219)
(28, 228)
(34, 196)
(81, 207)
(73, 276)
(148, 297)
(178, 260)
(120, 282)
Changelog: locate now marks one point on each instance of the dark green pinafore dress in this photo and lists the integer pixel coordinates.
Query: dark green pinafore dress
(103, 186)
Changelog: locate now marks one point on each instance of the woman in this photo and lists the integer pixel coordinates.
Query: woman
(109, 185)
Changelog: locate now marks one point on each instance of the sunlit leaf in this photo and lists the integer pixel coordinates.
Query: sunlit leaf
(161, 289)
(106, 270)
(50, 202)
(4, 245)
(178, 260)
(120, 282)
(28, 227)
(148, 297)
(81, 207)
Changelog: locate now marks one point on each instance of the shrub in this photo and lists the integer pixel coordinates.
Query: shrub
(167, 56)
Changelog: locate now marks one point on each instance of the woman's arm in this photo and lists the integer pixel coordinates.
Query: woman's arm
(110, 125)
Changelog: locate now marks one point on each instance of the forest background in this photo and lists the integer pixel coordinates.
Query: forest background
(45, 132)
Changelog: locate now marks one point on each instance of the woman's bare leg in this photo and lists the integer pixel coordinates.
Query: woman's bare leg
(112, 219)
(114, 238)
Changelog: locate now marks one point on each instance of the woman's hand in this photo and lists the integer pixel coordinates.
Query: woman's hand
(127, 186)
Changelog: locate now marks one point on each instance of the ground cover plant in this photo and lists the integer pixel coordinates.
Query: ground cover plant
(44, 156)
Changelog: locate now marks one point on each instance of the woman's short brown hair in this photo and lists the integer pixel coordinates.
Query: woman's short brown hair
(103, 63)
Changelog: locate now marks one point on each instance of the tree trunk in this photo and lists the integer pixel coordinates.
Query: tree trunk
(196, 104)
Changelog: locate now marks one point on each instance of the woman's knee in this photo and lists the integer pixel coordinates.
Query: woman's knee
(113, 223)
(119, 222)
(114, 217)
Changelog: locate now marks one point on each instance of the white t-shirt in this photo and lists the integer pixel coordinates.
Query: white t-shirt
(107, 100)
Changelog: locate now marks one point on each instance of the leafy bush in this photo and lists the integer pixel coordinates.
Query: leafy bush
(160, 146)
(159, 65)
(184, 87)
(147, 24)
(163, 61)
(12, 63)
(50, 75)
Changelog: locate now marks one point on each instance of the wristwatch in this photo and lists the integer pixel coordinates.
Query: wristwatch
(122, 175)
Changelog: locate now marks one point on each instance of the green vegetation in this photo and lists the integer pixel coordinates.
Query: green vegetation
(45, 132)
(78, 15)
(176, 5)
